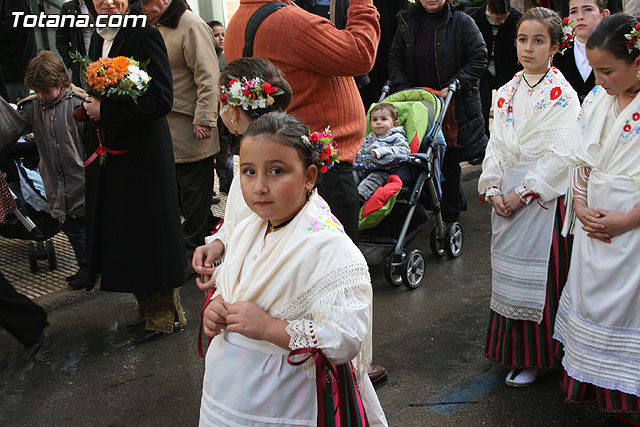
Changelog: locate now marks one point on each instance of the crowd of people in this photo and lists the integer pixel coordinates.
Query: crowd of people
(548, 106)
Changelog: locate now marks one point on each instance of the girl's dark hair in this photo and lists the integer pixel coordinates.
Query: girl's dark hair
(215, 24)
(548, 18)
(286, 129)
(249, 68)
(610, 33)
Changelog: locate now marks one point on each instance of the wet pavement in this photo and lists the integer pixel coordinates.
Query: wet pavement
(431, 341)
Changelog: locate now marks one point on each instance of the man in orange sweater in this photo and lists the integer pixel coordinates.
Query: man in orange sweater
(319, 62)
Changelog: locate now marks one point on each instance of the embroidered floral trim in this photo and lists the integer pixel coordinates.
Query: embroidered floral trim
(326, 221)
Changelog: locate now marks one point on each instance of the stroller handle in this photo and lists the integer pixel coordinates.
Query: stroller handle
(385, 90)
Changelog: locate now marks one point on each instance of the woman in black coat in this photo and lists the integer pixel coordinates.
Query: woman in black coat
(435, 44)
(134, 240)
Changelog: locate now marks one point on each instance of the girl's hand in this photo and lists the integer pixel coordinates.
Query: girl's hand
(589, 219)
(512, 202)
(614, 224)
(202, 262)
(248, 319)
(214, 319)
(498, 205)
(92, 105)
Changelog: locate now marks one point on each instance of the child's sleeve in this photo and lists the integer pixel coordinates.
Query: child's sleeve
(340, 317)
(490, 181)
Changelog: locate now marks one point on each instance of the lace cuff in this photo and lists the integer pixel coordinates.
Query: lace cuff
(492, 191)
(302, 334)
(525, 197)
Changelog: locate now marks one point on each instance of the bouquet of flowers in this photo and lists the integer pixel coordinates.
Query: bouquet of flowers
(325, 147)
(110, 78)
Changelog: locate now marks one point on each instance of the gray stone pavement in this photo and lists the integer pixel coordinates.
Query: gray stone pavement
(430, 339)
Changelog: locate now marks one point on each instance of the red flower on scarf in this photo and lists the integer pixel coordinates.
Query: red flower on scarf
(510, 109)
(500, 102)
(627, 127)
(636, 116)
(555, 93)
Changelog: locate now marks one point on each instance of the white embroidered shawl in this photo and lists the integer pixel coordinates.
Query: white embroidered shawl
(299, 277)
(550, 127)
(617, 153)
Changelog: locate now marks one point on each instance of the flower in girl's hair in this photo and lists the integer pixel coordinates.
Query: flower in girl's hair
(325, 147)
(249, 94)
(633, 38)
(568, 34)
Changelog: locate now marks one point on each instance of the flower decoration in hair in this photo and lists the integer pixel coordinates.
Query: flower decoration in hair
(325, 147)
(633, 38)
(249, 94)
(568, 34)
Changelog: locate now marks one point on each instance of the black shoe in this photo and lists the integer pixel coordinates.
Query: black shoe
(73, 276)
(215, 199)
(32, 350)
(136, 322)
(149, 336)
(81, 281)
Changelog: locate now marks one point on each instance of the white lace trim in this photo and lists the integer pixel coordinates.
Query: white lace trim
(517, 312)
(534, 145)
(351, 283)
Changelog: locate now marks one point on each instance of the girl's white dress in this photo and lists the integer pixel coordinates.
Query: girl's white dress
(528, 153)
(312, 275)
(598, 320)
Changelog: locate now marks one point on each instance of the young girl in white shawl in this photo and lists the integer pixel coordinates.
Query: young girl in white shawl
(524, 176)
(291, 280)
(598, 318)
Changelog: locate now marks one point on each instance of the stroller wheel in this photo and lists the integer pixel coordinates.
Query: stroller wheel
(413, 267)
(51, 255)
(33, 261)
(393, 273)
(453, 245)
(436, 246)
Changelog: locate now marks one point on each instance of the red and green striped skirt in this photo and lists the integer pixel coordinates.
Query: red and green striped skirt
(611, 401)
(524, 344)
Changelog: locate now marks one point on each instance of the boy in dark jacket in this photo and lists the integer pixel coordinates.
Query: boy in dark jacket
(497, 22)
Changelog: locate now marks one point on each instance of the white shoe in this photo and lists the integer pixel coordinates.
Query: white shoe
(522, 377)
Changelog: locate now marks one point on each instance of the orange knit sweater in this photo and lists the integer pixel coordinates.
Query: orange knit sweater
(318, 61)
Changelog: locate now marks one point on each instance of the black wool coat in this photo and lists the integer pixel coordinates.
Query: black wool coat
(134, 239)
(460, 54)
(69, 40)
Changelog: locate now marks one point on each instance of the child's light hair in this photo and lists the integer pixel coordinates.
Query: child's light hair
(45, 71)
(385, 106)
(548, 18)
(610, 34)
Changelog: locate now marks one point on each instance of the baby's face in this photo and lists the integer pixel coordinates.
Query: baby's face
(381, 121)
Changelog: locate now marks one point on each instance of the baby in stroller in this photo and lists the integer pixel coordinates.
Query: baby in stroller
(385, 146)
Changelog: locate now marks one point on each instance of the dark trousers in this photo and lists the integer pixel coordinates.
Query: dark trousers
(339, 189)
(73, 228)
(453, 198)
(195, 186)
(20, 316)
(487, 84)
(224, 174)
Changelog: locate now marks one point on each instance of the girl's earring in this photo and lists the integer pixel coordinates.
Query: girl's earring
(235, 127)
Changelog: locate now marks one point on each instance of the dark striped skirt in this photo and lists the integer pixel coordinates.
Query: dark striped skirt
(611, 401)
(525, 344)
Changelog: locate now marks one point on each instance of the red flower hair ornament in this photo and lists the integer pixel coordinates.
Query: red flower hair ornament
(325, 147)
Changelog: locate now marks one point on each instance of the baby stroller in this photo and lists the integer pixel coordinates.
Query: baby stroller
(384, 236)
(29, 219)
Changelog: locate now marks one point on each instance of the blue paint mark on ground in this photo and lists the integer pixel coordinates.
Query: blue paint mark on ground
(471, 391)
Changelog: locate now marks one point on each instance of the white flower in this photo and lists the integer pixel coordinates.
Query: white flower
(138, 77)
